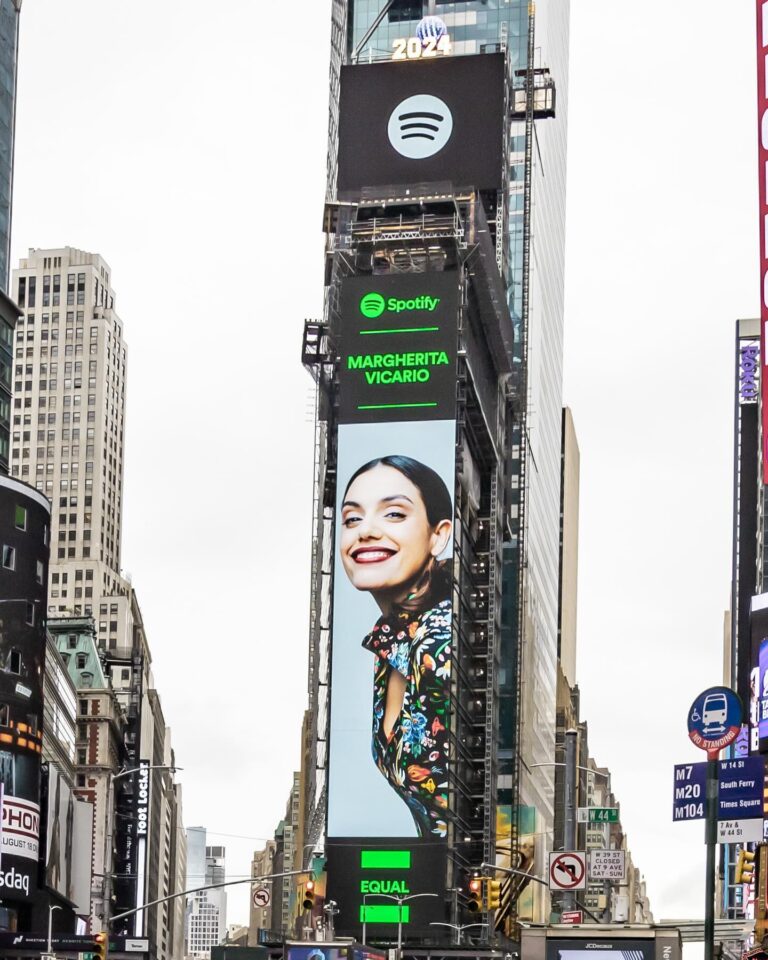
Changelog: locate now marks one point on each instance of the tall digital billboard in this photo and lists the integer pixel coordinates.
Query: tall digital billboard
(389, 755)
(761, 7)
(758, 624)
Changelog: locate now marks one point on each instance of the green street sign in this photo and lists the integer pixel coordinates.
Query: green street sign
(600, 814)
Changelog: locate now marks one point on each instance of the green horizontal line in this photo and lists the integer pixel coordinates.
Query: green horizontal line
(385, 859)
(391, 406)
(369, 333)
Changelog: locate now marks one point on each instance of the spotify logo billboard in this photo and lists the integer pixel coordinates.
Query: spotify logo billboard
(421, 121)
(398, 347)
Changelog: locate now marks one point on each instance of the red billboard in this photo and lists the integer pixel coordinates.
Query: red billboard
(762, 175)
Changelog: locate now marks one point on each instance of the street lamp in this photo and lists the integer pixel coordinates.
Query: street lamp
(51, 908)
(459, 928)
(400, 901)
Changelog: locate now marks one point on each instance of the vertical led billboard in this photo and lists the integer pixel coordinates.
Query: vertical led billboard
(758, 625)
(761, 7)
(389, 755)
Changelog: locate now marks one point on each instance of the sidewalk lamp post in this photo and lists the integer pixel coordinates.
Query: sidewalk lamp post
(459, 928)
(400, 901)
(51, 908)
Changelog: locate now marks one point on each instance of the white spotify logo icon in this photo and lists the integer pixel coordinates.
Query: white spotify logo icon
(420, 126)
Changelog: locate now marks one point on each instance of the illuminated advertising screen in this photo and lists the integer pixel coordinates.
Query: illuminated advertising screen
(388, 796)
(573, 949)
(762, 174)
(405, 123)
(20, 839)
(758, 623)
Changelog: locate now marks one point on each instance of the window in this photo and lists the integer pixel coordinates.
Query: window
(82, 661)
(15, 662)
(39, 570)
(30, 614)
(72, 641)
(83, 711)
(9, 557)
(21, 518)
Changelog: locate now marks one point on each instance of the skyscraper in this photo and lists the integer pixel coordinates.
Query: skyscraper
(68, 428)
(9, 45)
(416, 214)
(206, 909)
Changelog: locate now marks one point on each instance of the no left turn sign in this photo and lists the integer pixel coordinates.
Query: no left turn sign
(261, 897)
(568, 871)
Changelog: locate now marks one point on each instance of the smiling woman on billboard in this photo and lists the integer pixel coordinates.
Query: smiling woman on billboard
(396, 521)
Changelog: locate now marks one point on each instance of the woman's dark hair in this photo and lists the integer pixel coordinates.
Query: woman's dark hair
(434, 492)
(437, 582)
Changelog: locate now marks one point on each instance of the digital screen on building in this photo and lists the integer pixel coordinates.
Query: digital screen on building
(426, 121)
(758, 622)
(368, 881)
(20, 838)
(398, 348)
(573, 949)
(392, 606)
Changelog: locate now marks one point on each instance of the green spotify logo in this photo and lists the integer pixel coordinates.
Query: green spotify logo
(372, 305)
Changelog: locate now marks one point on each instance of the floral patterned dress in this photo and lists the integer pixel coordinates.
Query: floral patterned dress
(414, 758)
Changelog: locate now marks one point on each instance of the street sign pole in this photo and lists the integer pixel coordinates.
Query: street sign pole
(569, 832)
(714, 722)
(711, 838)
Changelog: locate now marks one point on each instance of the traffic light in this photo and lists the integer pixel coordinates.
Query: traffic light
(101, 943)
(475, 904)
(493, 894)
(308, 900)
(745, 867)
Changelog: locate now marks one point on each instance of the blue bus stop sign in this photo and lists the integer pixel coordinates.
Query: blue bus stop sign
(714, 720)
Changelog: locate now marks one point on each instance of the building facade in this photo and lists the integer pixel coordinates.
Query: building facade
(70, 394)
(68, 434)
(260, 917)
(206, 910)
(9, 47)
(99, 748)
(24, 537)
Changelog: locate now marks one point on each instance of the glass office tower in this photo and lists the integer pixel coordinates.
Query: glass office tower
(9, 40)
(528, 649)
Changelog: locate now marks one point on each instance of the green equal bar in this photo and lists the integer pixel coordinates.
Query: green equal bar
(384, 913)
(385, 859)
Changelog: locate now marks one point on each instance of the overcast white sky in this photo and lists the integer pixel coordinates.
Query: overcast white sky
(185, 142)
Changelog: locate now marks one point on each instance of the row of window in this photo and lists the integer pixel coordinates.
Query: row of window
(50, 436)
(29, 368)
(27, 291)
(71, 333)
(68, 351)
